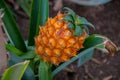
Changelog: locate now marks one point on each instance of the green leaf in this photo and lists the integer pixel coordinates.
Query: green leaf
(35, 7)
(86, 57)
(39, 15)
(69, 10)
(16, 71)
(44, 12)
(83, 21)
(29, 55)
(105, 44)
(86, 28)
(93, 40)
(71, 26)
(45, 71)
(29, 74)
(68, 18)
(24, 6)
(13, 49)
(12, 28)
(96, 40)
(78, 31)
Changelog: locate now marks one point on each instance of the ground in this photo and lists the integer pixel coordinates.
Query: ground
(106, 20)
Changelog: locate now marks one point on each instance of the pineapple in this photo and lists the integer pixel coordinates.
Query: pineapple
(61, 37)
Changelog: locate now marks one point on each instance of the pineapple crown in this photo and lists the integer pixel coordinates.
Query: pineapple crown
(76, 22)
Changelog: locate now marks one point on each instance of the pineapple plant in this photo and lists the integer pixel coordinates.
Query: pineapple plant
(64, 38)
(61, 37)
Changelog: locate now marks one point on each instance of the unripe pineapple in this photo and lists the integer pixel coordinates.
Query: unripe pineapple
(61, 37)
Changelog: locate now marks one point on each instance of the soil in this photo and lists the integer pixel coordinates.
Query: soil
(106, 19)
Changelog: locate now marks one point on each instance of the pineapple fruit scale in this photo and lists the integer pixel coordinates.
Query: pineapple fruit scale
(57, 43)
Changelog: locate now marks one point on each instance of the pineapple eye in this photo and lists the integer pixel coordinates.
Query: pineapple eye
(57, 52)
(48, 52)
(71, 42)
(67, 34)
(61, 43)
(52, 42)
(45, 40)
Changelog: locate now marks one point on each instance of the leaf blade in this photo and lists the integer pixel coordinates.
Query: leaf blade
(45, 71)
(68, 18)
(83, 21)
(78, 31)
(29, 74)
(16, 71)
(12, 28)
(13, 49)
(39, 15)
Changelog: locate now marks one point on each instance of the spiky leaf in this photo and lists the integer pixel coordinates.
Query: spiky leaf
(71, 26)
(86, 28)
(83, 21)
(94, 39)
(70, 11)
(78, 31)
(69, 18)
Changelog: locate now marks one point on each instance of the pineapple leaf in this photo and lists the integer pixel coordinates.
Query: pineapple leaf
(29, 55)
(11, 28)
(78, 31)
(86, 57)
(39, 15)
(44, 12)
(83, 21)
(13, 49)
(86, 28)
(92, 40)
(70, 11)
(16, 71)
(29, 74)
(71, 26)
(69, 18)
(45, 72)
(33, 21)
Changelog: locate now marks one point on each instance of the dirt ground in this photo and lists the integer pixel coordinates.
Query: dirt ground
(106, 19)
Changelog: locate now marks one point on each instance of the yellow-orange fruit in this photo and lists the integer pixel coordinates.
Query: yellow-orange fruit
(56, 43)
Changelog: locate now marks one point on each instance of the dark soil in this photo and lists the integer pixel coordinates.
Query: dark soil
(106, 19)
